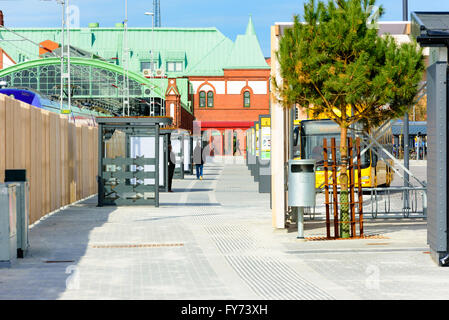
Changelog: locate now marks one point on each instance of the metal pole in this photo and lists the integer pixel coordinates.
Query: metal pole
(406, 124)
(153, 65)
(300, 211)
(62, 56)
(69, 90)
(405, 10)
(125, 64)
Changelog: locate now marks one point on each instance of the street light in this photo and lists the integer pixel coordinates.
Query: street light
(61, 99)
(125, 62)
(152, 62)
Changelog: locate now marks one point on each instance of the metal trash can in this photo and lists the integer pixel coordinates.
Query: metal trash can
(18, 177)
(301, 183)
(8, 224)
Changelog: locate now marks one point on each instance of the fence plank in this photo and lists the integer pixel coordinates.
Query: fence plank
(19, 136)
(2, 137)
(9, 135)
(60, 157)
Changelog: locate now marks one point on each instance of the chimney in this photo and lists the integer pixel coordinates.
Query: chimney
(1, 18)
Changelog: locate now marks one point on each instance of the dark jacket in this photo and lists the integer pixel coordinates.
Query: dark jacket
(170, 157)
(198, 155)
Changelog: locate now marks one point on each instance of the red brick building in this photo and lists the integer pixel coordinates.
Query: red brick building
(233, 100)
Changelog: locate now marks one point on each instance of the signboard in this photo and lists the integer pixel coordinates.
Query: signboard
(252, 140)
(265, 139)
(257, 140)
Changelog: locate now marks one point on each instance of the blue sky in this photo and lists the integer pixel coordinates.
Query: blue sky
(229, 16)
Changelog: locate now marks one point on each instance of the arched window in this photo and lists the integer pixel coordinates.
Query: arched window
(202, 99)
(210, 99)
(246, 99)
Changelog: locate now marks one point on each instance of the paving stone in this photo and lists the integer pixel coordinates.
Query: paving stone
(226, 250)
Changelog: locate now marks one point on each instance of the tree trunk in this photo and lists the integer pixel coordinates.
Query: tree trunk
(344, 202)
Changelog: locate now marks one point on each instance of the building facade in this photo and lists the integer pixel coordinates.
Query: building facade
(186, 73)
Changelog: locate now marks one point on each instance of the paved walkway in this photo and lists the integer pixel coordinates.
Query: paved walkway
(212, 239)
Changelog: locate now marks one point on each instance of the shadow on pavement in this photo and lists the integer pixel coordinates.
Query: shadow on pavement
(192, 190)
(57, 244)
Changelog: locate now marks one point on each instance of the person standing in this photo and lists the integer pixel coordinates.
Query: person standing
(237, 146)
(171, 166)
(198, 160)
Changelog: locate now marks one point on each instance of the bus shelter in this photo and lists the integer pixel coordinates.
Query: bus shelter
(180, 142)
(165, 140)
(249, 151)
(188, 153)
(431, 29)
(130, 160)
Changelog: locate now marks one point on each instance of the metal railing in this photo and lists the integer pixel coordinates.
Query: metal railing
(381, 203)
(410, 203)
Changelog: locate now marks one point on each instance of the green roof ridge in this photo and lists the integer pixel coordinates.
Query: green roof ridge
(246, 53)
(250, 28)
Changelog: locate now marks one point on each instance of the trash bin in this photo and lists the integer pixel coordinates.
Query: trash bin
(301, 183)
(18, 177)
(8, 224)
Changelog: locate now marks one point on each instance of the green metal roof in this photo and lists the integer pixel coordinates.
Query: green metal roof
(204, 51)
(246, 53)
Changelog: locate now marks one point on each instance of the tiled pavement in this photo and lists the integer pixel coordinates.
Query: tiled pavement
(212, 239)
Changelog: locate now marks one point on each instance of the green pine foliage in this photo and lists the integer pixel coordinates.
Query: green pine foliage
(334, 63)
(333, 60)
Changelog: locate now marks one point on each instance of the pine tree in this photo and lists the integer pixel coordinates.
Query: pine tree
(335, 63)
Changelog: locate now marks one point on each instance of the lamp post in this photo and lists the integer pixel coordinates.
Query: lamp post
(125, 59)
(69, 86)
(152, 63)
(61, 99)
(65, 24)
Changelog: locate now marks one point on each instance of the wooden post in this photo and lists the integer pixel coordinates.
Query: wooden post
(326, 189)
(334, 185)
(359, 176)
(351, 188)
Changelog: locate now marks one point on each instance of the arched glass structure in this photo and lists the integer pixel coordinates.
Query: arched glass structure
(93, 82)
(87, 81)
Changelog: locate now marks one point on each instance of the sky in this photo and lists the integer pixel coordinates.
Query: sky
(228, 16)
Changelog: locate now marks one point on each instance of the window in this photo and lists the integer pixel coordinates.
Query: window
(202, 99)
(246, 99)
(210, 99)
(174, 66)
(147, 65)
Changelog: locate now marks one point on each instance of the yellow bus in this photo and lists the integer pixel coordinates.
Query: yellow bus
(308, 138)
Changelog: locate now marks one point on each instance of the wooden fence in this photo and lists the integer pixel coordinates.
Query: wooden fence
(60, 157)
